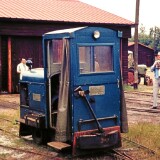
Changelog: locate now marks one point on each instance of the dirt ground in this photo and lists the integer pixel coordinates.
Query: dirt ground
(9, 140)
(27, 144)
(135, 116)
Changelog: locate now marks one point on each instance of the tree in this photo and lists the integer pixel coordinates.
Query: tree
(155, 34)
(152, 39)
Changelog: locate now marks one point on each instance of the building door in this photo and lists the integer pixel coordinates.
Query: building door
(4, 65)
(24, 47)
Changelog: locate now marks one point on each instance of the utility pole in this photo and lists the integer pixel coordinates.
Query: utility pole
(136, 45)
(155, 31)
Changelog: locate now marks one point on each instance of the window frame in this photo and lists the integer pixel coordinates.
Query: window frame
(92, 45)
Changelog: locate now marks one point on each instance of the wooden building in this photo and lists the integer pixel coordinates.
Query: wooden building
(145, 54)
(23, 22)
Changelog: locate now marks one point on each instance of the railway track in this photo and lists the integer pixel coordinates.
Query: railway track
(135, 151)
(93, 156)
(139, 108)
(143, 151)
(137, 103)
(5, 119)
(138, 93)
(6, 104)
(140, 101)
(47, 155)
(115, 154)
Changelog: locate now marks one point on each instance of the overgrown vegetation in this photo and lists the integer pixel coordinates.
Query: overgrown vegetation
(151, 39)
(141, 88)
(10, 115)
(9, 137)
(146, 134)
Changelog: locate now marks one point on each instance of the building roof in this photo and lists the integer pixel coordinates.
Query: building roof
(132, 44)
(57, 10)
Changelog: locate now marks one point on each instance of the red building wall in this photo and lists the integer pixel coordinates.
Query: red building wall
(145, 54)
(26, 43)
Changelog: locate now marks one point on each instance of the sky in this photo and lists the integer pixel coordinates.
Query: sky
(148, 10)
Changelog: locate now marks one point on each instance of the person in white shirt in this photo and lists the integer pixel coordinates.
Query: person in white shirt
(21, 67)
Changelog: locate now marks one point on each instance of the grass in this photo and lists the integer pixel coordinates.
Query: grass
(10, 130)
(146, 134)
(11, 115)
(141, 88)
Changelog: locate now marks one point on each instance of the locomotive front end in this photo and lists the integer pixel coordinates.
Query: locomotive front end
(77, 100)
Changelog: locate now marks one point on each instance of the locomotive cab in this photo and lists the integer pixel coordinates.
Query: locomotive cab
(76, 98)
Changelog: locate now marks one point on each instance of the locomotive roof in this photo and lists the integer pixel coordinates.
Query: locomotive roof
(70, 30)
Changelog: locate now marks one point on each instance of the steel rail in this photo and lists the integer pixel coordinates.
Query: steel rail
(1, 129)
(143, 110)
(4, 106)
(142, 146)
(5, 119)
(22, 150)
(123, 155)
(27, 151)
(5, 101)
(137, 100)
(139, 93)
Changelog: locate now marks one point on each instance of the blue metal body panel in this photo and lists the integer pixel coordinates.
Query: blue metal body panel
(76, 97)
(107, 104)
(35, 75)
(36, 97)
(36, 86)
(104, 105)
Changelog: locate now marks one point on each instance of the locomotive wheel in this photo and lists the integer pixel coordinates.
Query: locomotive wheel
(38, 136)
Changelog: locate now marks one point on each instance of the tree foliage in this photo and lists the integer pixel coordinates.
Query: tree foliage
(152, 39)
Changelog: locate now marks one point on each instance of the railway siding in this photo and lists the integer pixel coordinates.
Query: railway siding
(138, 108)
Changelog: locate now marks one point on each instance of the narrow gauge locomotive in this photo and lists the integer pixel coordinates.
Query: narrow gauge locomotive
(77, 99)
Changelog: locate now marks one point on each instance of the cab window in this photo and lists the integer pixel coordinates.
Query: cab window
(93, 59)
(54, 51)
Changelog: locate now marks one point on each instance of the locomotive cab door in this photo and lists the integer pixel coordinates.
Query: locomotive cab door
(85, 63)
(95, 80)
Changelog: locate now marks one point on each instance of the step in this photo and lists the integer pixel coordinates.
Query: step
(58, 145)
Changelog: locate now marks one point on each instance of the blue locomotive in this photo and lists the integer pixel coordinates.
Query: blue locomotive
(77, 99)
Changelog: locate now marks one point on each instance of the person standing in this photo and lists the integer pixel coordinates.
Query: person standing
(156, 82)
(21, 67)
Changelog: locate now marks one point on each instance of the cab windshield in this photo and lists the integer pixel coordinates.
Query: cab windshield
(93, 59)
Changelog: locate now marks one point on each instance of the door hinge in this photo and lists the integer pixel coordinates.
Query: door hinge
(118, 83)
